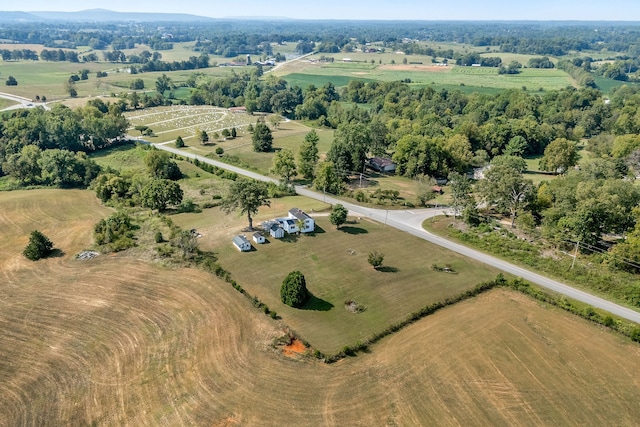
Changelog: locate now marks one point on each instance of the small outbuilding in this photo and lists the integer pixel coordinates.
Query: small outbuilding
(242, 243)
(258, 237)
(276, 231)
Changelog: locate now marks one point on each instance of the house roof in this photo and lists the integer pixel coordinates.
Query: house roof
(240, 240)
(274, 227)
(257, 234)
(381, 162)
(299, 214)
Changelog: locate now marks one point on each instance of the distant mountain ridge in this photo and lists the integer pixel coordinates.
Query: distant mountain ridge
(100, 15)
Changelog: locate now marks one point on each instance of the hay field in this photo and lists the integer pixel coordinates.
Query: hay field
(116, 341)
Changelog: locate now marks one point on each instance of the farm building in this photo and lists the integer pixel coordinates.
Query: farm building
(308, 223)
(242, 243)
(276, 231)
(381, 164)
(258, 237)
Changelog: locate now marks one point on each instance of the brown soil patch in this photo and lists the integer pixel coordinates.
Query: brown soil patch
(415, 67)
(295, 348)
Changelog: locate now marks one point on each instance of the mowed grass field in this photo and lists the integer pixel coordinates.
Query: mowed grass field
(304, 72)
(116, 341)
(335, 266)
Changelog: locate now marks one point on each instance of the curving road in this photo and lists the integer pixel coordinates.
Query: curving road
(22, 102)
(410, 221)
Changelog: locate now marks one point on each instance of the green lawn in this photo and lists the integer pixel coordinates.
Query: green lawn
(335, 265)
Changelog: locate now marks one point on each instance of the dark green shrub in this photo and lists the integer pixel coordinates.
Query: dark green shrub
(294, 290)
(39, 246)
(158, 237)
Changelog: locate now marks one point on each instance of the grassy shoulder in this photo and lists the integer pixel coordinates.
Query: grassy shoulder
(620, 287)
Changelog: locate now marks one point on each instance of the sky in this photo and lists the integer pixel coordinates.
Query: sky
(544, 10)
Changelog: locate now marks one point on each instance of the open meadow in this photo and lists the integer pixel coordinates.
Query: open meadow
(420, 72)
(118, 341)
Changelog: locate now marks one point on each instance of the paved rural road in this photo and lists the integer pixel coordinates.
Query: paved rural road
(22, 102)
(410, 221)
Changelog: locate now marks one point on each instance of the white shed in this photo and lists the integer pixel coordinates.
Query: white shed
(258, 237)
(276, 231)
(242, 243)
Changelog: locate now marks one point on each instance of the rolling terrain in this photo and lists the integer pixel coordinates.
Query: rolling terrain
(120, 341)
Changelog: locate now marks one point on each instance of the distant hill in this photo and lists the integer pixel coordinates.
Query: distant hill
(99, 15)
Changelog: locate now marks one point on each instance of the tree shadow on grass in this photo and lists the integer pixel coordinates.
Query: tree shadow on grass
(387, 269)
(317, 304)
(353, 230)
(56, 253)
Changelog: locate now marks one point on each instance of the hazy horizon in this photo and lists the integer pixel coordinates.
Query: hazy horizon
(464, 10)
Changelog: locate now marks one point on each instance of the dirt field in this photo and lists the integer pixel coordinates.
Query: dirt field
(116, 341)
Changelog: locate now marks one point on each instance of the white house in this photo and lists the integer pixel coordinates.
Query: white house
(276, 231)
(308, 224)
(242, 243)
(258, 237)
(290, 225)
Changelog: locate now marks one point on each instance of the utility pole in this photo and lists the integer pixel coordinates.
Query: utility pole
(575, 255)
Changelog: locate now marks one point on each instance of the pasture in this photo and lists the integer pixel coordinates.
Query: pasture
(467, 79)
(117, 341)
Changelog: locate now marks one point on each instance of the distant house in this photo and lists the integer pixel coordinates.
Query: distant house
(258, 237)
(381, 164)
(276, 231)
(437, 189)
(308, 223)
(242, 243)
(238, 109)
(290, 225)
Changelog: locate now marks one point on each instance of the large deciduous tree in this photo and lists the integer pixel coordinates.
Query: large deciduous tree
(559, 156)
(327, 179)
(460, 192)
(160, 193)
(308, 155)
(284, 165)
(247, 196)
(504, 187)
(164, 83)
(160, 165)
(338, 215)
(262, 139)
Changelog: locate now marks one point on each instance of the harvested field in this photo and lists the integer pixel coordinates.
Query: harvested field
(115, 341)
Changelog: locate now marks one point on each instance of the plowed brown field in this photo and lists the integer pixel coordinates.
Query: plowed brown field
(115, 341)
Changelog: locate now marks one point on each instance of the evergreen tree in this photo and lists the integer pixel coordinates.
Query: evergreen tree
(39, 246)
(262, 138)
